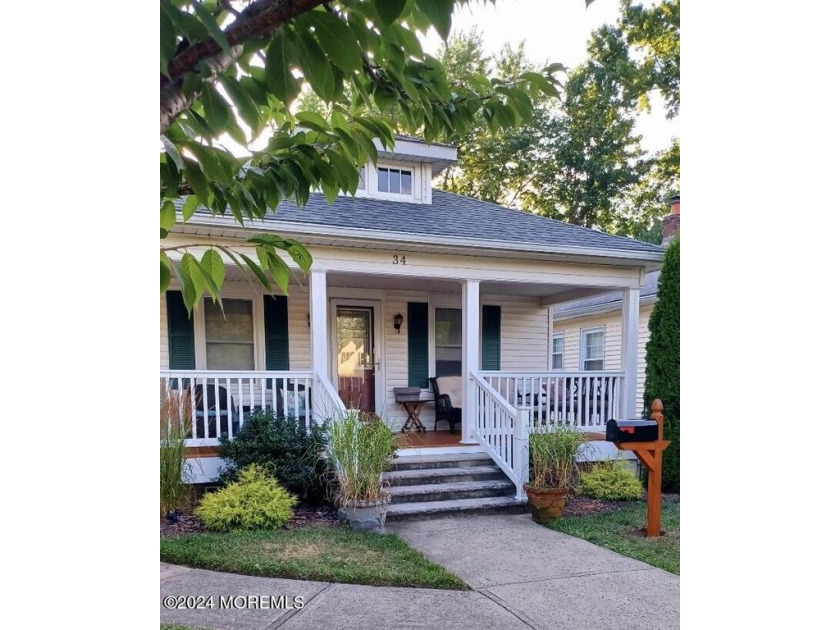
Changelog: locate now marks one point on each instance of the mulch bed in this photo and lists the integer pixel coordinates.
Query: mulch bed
(583, 506)
(304, 516)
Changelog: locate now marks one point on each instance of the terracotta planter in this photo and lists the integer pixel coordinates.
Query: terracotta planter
(364, 517)
(546, 504)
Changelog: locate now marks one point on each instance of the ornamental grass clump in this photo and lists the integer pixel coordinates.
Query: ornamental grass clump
(359, 451)
(254, 501)
(553, 456)
(175, 472)
(610, 480)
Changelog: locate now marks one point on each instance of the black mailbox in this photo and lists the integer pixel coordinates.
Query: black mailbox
(632, 431)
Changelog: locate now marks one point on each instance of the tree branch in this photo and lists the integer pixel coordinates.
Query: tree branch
(260, 18)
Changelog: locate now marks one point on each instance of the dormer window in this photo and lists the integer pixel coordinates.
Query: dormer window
(394, 181)
(363, 179)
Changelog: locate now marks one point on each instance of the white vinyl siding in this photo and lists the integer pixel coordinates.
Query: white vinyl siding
(611, 324)
(300, 348)
(164, 334)
(524, 331)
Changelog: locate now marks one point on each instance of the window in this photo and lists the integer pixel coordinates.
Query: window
(592, 349)
(447, 342)
(557, 352)
(394, 181)
(229, 336)
(363, 179)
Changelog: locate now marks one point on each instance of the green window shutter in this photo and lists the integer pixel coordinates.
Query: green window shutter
(491, 337)
(276, 311)
(418, 344)
(181, 336)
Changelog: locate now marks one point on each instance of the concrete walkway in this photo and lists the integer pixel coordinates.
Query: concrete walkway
(545, 578)
(523, 576)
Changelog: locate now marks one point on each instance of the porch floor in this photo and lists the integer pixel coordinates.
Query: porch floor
(430, 439)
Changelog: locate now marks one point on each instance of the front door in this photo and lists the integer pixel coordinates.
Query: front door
(356, 356)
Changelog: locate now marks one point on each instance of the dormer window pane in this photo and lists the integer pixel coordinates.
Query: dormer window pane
(394, 181)
(362, 178)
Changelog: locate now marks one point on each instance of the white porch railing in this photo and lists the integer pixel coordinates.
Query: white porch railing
(328, 405)
(583, 399)
(503, 432)
(221, 401)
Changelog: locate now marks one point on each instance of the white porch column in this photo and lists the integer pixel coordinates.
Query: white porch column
(318, 313)
(630, 351)
(469, 355)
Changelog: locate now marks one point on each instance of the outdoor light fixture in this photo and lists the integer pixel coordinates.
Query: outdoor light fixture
(398, 320)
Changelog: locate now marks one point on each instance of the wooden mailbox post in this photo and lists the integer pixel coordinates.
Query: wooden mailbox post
(650, 454)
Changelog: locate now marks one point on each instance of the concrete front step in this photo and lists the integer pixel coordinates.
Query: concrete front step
(451, 491)
(429, 509)
(462, 460)
(443, 475)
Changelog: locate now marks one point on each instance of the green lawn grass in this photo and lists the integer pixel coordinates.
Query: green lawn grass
(315, 553)
(619, 531)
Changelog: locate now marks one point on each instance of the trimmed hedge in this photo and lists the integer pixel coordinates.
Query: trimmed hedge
(610, 480)
(254, 501)
(662, 375)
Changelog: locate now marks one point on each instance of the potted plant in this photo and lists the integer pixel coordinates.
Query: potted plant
(553, 469)
(359, 451)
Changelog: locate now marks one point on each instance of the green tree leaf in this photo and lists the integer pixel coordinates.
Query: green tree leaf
(189, 207)
(209, 23)
(337, 40)
(213, 264)
(439, 14)
(389, 10)
(278, 70)
(255, 268)
(167, 214)
(164, 272)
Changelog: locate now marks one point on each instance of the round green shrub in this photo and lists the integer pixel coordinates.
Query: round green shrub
(281, 446)
(254, 501)
(610, 480)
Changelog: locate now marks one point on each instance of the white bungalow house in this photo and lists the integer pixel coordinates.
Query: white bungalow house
(408, 283)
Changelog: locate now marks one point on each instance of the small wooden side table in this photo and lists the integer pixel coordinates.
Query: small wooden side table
(413, 408)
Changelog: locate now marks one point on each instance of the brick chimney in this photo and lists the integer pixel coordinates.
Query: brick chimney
(671, 223)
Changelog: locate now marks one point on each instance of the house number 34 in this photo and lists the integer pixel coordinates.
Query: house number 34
(398, 260)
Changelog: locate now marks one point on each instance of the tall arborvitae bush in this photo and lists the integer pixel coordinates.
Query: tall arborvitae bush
(662, 375)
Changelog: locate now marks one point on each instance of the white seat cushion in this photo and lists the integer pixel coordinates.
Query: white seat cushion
(451, 385)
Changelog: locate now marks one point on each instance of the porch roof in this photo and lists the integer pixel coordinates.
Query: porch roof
(607, 301)
(471, 222)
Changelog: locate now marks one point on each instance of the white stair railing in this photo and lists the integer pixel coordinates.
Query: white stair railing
(328, 404)
(502, 431)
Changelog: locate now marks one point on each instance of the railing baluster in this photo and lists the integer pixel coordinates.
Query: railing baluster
(241, 404)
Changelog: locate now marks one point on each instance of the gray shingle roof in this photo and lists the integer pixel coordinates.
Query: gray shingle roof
(608, 300)
(453, 216)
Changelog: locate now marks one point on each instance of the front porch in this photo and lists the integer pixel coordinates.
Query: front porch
(349, 338)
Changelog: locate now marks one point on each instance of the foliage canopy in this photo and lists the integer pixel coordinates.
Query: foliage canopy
(230, 74)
